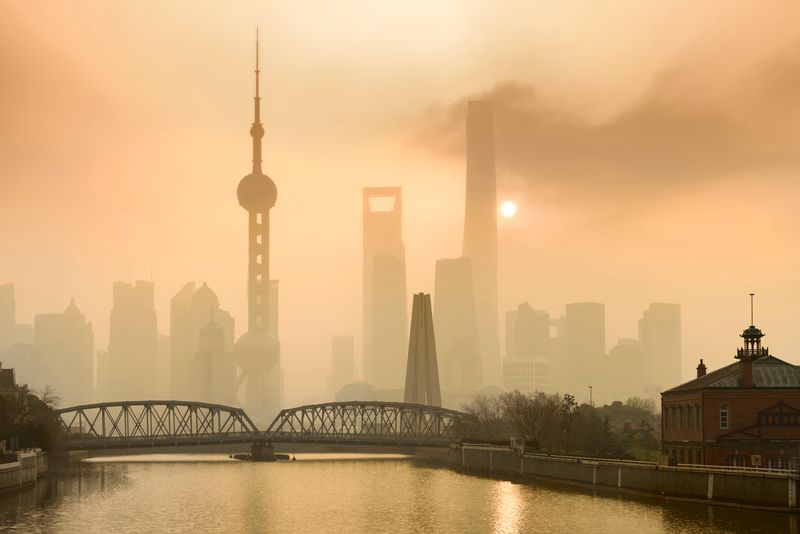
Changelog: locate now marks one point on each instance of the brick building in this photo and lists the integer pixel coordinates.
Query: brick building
(744, 414)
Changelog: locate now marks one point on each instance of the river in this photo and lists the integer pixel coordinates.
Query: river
(338, 493)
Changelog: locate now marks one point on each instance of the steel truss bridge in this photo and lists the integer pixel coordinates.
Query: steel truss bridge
(140, 424)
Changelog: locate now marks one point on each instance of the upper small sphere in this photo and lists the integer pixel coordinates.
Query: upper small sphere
(257, 192)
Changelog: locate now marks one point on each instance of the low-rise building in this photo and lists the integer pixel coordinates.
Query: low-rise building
(745, 414)
(8, 384)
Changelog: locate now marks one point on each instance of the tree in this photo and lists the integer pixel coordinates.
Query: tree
(30, 419)
(484, 421)
(536, 418)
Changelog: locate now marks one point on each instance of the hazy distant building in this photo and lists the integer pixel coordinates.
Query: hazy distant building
(526, 366)
(480, 231)
(357, 391)
(16, 342)
(456, 327)
(64, 346)
(190, 311)
(385, 317)
(585, 343)
(215, 368)
(620, 373)
(162, 367)
(527, 332)
(130, 365)
(342, 363)
(526, 374)
(8, 316)
(257, 352)
(660, 338)
(422, 369)
(11, 333)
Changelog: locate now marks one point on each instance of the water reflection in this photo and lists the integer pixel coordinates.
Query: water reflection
(338, 494)
(508, 508)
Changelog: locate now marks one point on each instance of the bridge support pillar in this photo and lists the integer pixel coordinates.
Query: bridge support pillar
(262, 451)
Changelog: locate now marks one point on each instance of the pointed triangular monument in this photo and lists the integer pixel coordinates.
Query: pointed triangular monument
(422, 370)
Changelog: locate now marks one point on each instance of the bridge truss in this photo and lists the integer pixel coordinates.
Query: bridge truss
(154, 423)
(367, 423)
(139, 424)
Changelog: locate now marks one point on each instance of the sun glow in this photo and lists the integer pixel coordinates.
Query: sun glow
(508, 209)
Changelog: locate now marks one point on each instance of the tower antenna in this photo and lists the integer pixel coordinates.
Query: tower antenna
(751, 309)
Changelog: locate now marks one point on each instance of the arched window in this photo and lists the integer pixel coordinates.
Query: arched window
(724, 416)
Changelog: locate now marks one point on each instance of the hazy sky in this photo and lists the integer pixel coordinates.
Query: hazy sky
(653, 149)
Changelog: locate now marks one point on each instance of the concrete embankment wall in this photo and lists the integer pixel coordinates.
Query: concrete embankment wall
(28, 467)
(718, 485)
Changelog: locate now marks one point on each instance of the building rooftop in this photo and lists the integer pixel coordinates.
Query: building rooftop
(768, 372)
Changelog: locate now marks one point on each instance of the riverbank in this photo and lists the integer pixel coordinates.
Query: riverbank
(26, 470)
(745, 488)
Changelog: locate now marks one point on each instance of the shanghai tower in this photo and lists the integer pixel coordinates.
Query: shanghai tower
(480, 232)
(257, 351)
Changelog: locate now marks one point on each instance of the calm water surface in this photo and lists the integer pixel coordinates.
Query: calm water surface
(338, 493)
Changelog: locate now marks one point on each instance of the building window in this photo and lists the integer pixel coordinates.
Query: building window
(698, 419)
(674, 418)
(689, 418)
(724, 416)
(778, 462)
(736, 461)
(698, 458)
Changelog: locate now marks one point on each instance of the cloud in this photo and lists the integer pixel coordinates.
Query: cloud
(686, 127)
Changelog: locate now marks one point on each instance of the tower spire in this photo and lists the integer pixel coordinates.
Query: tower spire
(751, 309)
(257, 130)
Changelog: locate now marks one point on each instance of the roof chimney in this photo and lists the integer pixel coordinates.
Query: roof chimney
(701, 369)
(747, 373)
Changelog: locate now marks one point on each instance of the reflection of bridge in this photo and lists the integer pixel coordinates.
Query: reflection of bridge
(134, 424)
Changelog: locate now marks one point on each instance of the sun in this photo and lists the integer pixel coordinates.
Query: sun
(508, 209)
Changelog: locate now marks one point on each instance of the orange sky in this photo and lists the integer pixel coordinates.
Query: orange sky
(652, 148)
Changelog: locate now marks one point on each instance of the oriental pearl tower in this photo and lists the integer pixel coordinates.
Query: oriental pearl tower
(257, 352)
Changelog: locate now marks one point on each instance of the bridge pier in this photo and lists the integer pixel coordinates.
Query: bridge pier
(262, 451)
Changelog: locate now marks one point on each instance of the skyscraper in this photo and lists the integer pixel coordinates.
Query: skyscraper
(526, 367)
(456, 328)
(190, 311)
(384, 274)
(422, 369)
(585, 324)
(11, 333)
(257, 351)
(480, 231)
(8, 316)
(65, 344)
(132, 344)
(660, 339)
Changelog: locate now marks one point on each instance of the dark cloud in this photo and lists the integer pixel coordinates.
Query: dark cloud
(678, 131)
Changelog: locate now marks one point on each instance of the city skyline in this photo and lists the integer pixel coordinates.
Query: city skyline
(548, 226)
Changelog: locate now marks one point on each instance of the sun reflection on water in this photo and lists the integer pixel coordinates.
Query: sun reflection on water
(508, 507)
